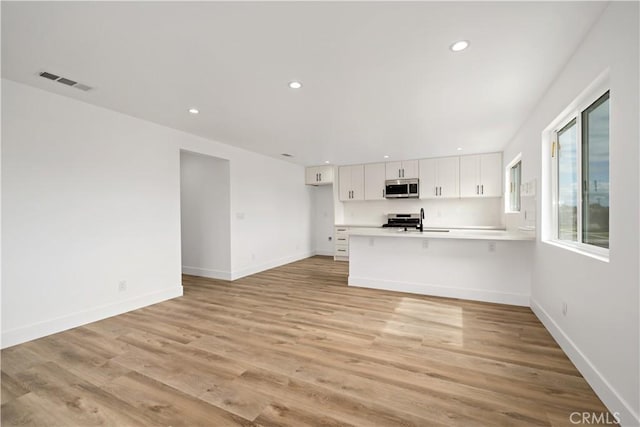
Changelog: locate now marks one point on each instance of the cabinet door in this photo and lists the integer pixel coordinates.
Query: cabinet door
(428, 182)
(448, 177)
(357, 182)
(491, 175)
(374, 177)
(325, 174)
(410, 169)
(311, 176)
(344, 183)
(393, 170)
(469, 176)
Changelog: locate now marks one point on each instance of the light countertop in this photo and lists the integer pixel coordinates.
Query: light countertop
(468, 234)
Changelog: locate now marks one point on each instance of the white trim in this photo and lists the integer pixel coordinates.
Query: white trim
(324, 253)
(441, 291)
(69, 321)
(595, 252)
(605, 391)
(206, 272)
(253, 269)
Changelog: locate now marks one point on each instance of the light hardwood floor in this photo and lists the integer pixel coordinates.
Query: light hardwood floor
(295, 346)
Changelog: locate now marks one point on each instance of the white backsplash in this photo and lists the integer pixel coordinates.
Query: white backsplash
(438, 213)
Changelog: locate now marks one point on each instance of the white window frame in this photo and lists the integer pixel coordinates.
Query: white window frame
(550, 171)
(507, 182)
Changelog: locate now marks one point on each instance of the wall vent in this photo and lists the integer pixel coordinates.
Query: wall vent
(64, 81)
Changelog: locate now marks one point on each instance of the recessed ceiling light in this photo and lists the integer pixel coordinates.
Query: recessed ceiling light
(459, 148)
(194, 110)
(386, 157)
(459, 45)
(295, 85)
(327, 161)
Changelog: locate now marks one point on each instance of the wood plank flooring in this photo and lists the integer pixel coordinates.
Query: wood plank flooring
(295, 346)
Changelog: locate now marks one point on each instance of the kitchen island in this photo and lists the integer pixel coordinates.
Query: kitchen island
(482, 265)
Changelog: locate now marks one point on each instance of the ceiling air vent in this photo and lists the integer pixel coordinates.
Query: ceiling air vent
(49, 76)
(65, 81)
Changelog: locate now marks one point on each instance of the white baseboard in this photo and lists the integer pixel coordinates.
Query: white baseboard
(441, 291)
(612, 400)
(53, 326)
(253, 269)
(206, 272)
(324, 253)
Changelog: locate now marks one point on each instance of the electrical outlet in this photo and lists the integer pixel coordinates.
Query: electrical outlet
(122, 286)
(492, 246)
(253, 257)
(371, 241)
(425, 244)
(564, 308)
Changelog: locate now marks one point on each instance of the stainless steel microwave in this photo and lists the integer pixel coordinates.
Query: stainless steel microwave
(401, 189)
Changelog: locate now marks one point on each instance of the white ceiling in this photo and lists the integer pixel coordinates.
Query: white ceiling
(379, 78)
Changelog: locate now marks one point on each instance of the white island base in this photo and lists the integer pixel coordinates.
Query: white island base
(478, 268)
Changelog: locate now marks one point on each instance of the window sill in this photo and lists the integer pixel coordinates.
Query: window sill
(594, 252)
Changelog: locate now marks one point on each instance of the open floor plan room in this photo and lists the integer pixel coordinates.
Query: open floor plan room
(290, 213)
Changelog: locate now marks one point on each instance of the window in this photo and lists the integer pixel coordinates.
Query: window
(513, 185)
(515, 179)
(580, 181)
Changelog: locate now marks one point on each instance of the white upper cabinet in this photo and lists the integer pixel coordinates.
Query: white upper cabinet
(351, 183)
(440, 178)
(319, 175)
(374, 177)
(403, 169)
(481, 175)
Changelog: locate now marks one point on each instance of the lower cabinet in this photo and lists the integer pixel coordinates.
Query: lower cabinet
(341, 234)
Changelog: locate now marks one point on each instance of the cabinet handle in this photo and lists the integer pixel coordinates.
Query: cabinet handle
(436, 191)
(403, 172)
(482, 189)
(320, 176)
(383, 193)
(399, 174)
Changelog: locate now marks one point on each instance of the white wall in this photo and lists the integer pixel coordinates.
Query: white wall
(322, 220)
(205, 215)
(600, 332)
(270, 208)
(438, 213)
(91, 197)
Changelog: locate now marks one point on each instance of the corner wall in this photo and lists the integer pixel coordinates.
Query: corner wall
(601, 331)
(91, 197)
